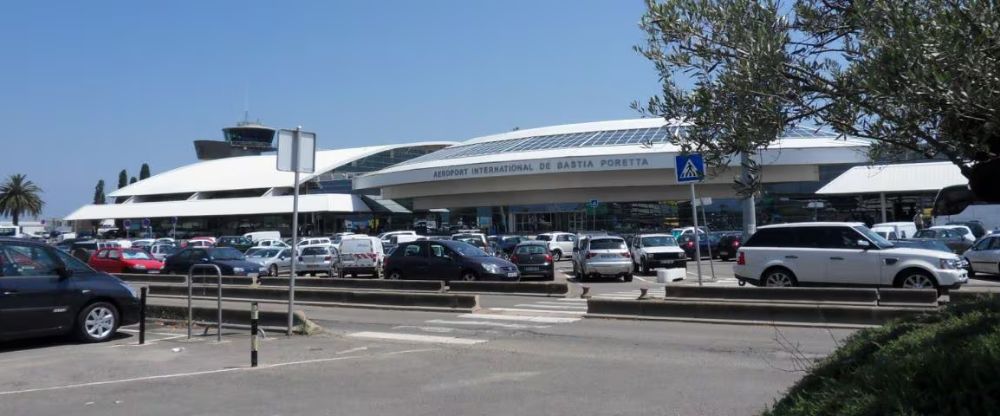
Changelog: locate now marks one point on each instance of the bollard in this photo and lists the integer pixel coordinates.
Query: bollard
(643, 291)
(586, 292)
(254, 341)
(142, 314)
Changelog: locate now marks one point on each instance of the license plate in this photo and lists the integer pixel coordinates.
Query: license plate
(346, 257)
(609, 256)
(531, 269)
(511, 274)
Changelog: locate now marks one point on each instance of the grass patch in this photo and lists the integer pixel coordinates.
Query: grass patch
(936, 364)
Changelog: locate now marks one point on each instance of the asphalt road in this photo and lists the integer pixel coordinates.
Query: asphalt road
(374, 362)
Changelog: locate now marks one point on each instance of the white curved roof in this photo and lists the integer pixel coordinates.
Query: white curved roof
(908, 177)
(797, 147)
(248, 172)
(345, 203)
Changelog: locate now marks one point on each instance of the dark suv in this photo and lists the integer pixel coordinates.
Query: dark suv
(446, 260)
(44, 291)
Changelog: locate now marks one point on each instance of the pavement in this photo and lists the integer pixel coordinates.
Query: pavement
(517, 355)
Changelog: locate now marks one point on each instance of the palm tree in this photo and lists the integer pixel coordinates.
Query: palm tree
(19, 196)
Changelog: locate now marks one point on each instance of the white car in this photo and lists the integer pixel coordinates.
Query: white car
(965, 231)
(267, 242)
(385, 236)
(560, 244)
(361, 254)
(650, 251)
(841, 254)
(602, 256)
(315, 241)
(895, 230)
(984, 256)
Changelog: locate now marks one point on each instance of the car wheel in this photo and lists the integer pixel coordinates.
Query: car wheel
(779, 277)
(970, 270)
(556, 255)
(97, 322)
(312, 274)
(395, 275)
(274, 271)
(916, 279)
(627, 278)
(468, 276)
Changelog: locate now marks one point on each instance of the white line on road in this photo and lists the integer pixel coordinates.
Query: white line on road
(416, 338)
(571, 300)
(559, 304)
(534, 311)
(491, 324)
(356, 349)
(200, 373)
(437, 329)
(536, 319)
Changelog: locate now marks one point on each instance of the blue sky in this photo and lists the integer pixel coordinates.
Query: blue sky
(90, 88)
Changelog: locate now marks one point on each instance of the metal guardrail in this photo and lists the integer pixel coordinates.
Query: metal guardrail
(190, 281)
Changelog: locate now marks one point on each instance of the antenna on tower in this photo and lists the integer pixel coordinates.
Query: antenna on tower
(246, 103)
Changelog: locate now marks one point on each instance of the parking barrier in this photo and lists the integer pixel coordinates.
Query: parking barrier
(190, 279)
(586, 292)
(142, 314)
(643, 291)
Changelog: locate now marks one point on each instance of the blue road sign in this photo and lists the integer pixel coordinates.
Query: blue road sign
(127, 223)
(173, 220)
(593, 203)
(689, 168)
(145, 223)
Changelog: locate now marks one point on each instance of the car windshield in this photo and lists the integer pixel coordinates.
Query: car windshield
(960, 230)
(227, 254)
(925, 234)
(468, 250)
(266, 254)
(315, 251)
(659, 241)
(473, 241)
(531, 249)
(607, 244)
(544, 237)
(877, 239)
(135, 255)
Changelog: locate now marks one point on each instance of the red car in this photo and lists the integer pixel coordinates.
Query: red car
(124, 260)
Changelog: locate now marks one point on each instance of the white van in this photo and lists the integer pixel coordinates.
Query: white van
(361, 254)
(263, 235)
(895, 230)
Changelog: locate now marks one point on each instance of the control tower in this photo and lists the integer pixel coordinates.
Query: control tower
(244, 139)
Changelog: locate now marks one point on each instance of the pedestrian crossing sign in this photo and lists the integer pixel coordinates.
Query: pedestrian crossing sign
(689, 168)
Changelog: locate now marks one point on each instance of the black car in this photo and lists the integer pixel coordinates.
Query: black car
(533, 258)
(505, 244)
(446, 260)
(230, 261)
(238, 242)
(727, 246)
(44, 291)
(951, 238)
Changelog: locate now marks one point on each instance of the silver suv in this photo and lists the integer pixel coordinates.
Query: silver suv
(602, 257)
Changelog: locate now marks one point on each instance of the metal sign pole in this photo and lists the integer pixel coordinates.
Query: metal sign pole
(711, 263)
(295, 227)
(697, 241)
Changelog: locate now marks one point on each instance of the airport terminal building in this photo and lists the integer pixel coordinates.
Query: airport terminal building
(523, 181)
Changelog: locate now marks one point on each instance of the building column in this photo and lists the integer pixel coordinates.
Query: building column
(881, 197)
(511, 223)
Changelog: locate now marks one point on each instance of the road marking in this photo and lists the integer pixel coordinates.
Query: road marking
(532, 305)
(640, 278)
(416, 338)
(523, 318)
(534, 311)
(437, 329)
(356, 349)
(492, 324)
(571, 300)
(200, 373)
(560, 304)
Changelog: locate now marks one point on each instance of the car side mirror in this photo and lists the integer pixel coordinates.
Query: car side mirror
(204, 260)
(63, 272)
(864, 244)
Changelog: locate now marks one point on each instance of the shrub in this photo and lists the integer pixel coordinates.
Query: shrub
(943, 364)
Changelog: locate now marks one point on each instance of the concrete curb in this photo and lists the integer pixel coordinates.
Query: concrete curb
(730, 321)
(513, 288)
(739, 311)
(908, 297)
(327, 297)
(233, 318)
(859, 296)
(311, 282)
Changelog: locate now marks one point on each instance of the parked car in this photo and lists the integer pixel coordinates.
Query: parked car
(160, 251)
(560, 244)
(235, 241)
(727, 246)
(977, 227)
(504, 244)
(271, 243)
(836, 254)
(926, 244)
(895, 230)
(275, 260)
(446, 260)
(984, 256)
(962, 230)
(48, 292)
(686, 242)
(230, 261)
(949, 237)
(360, 254)
(317, 259)
(602, 257)
(257, 236)
(385, 236)
(533, 258)
(83, 249)
(476, 239)
(197, 243)
(124, 260)
(656, 250)
(143, 243)
(315, 241)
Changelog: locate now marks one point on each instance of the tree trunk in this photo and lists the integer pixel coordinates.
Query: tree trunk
(14, 216)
